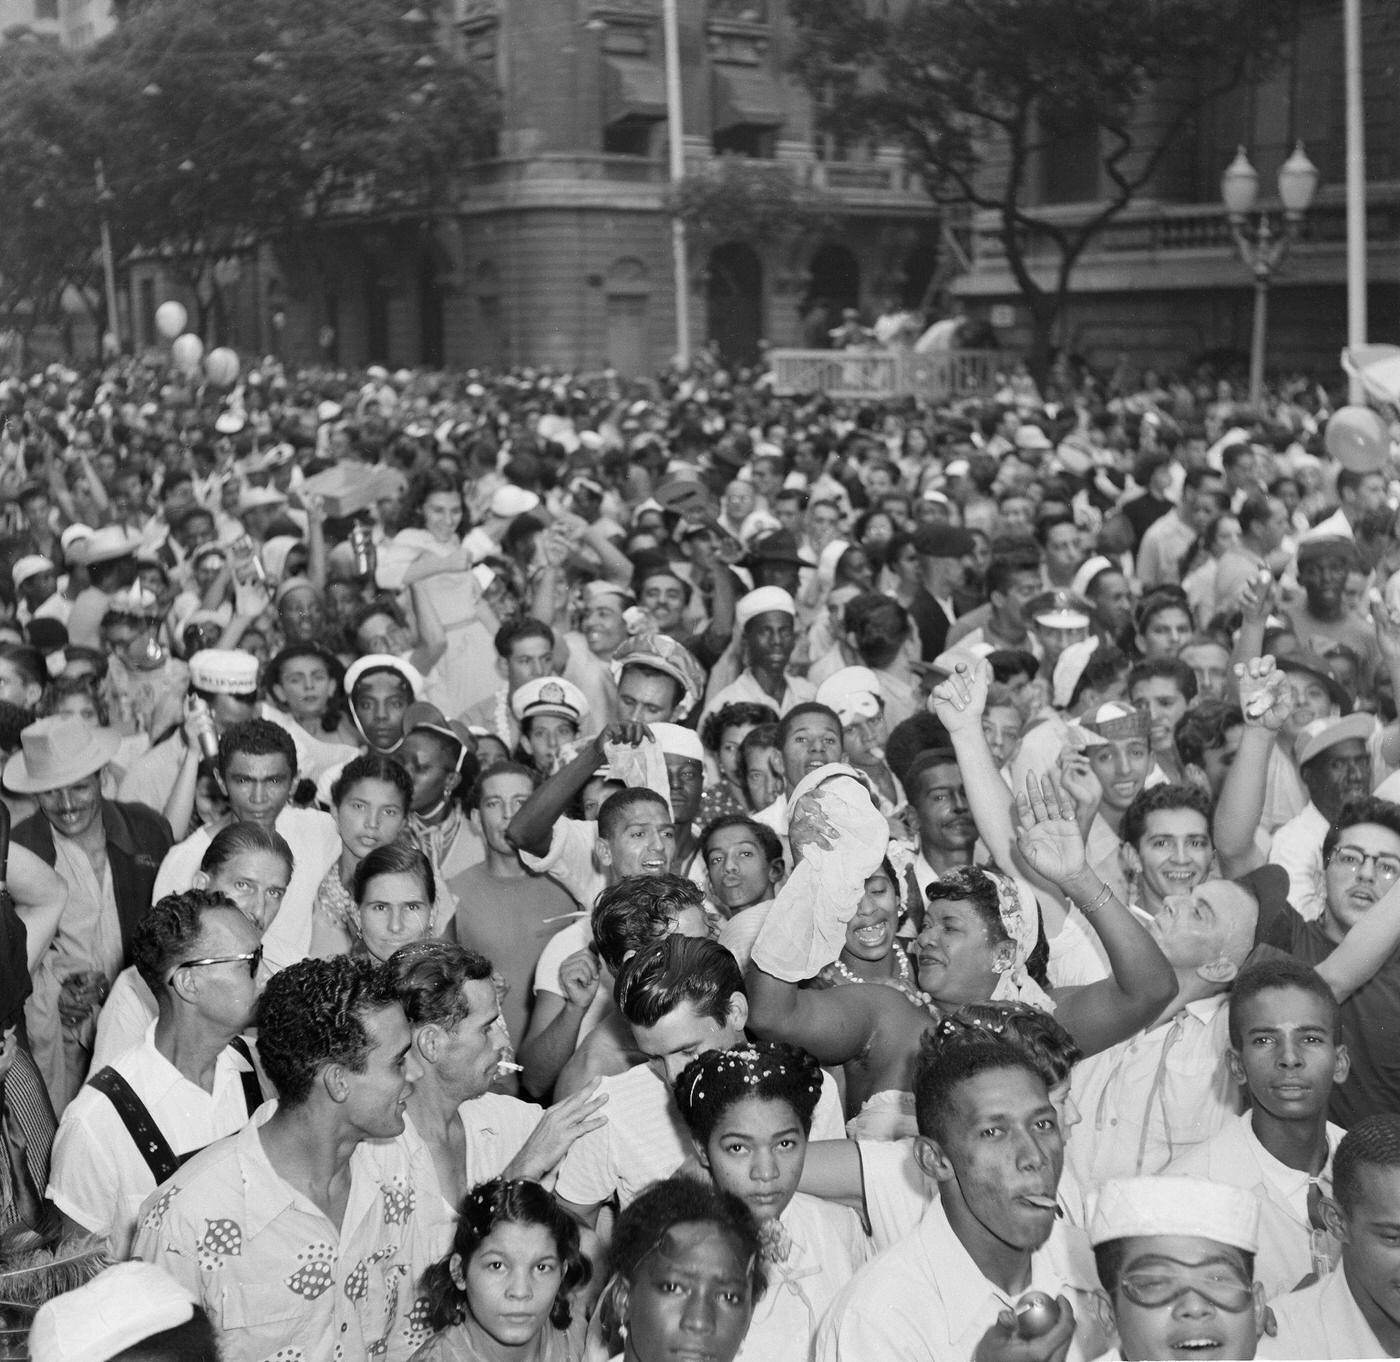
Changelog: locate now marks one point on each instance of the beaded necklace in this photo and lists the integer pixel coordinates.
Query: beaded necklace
(838, 972)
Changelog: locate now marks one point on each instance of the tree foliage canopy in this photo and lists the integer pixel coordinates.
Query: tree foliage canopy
(974, 90)
(740, 199)
(228, 119)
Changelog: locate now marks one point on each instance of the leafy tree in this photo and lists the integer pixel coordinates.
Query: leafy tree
(49, 229)
(743, 200)
(229, 121)
(976, 90)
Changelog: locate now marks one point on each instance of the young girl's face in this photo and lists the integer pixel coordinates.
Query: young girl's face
(83, 707)
(756, 1153)
(307, 687)
(442, 514)
(511, 1282)
(1001, 724)
(548, 734)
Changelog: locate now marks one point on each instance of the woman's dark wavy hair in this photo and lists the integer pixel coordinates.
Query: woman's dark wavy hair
(641, 1228)
(373, 766)
(505, 1201)
(272, 676)
(770, 1069)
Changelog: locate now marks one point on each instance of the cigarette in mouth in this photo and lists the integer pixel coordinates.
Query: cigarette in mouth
(508, 1067)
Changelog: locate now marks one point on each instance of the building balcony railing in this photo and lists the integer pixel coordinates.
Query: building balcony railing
(855, 180)
(1153, 229)
(873, 375)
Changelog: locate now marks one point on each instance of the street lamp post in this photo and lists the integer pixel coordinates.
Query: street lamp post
(1263, 246)
(675, 130)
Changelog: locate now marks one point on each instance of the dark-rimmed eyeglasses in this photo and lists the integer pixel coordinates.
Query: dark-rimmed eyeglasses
(1351, 859)
(253, 959)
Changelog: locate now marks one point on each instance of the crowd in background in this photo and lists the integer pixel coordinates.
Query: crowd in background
(549, 866)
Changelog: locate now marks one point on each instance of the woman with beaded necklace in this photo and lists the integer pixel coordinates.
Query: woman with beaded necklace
(749, 1111)
(873, 953)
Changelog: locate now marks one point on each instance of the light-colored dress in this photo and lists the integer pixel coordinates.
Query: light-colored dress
(466, 672)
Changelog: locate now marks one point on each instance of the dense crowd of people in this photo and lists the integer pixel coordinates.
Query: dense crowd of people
(541, 866)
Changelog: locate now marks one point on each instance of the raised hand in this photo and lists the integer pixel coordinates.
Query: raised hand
(1265, 697)
(1078, 780)
(559, 1127)
(1257, 598)
(579, 977)
(808, 826)
(623, 734)
(958, 702)
(1048, 836)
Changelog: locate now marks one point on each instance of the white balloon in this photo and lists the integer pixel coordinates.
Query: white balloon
(170, 319)
(187, 350)
(221, 366)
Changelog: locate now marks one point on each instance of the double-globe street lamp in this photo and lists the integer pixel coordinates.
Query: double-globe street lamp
(1262, 245)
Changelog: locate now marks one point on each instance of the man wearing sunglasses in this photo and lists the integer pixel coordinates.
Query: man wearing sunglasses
(189, 1082)
(1176, 1256)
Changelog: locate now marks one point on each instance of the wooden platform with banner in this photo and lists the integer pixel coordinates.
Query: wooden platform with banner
(875, 375)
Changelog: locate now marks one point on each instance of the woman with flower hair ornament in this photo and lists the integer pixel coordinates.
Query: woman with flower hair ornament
(979, 932)
(749, 1112)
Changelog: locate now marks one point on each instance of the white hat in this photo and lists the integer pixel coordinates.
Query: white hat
(327, 410)
(1321, 734)
(676, 741)
(1032, 437)
(58, 751)
(123, 1306)
(958, 468)
(549, 695)
(1111, 722)
(1069, 667)
(383, 662)
(510, 501)
(1088, 570)
(229, 422)
(31, 565)
(1130, 1208)
(224, 671)
(760, 602)
(853, 692)
(71, 536)
(110, 543)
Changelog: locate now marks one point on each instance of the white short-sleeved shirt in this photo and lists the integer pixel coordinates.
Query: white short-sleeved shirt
(130, 1008)
(1321, 1321)
(556, 950)
(925, 1300)
(1287, 1241)
(1150, 1098)
(275, 1276)
(315, 844)
(98, 1176)
(570, 861)
(645, 1139)
(826, 1246)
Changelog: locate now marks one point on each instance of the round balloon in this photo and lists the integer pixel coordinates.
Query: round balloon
(221, 366)
(187, 350)
(1358, 439)
(170, 319)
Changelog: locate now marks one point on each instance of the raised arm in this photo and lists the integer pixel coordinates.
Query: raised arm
(1141, 982)
(1256, 601)
(1266, 703)
(1365, 948)
(834, 1025)
(532, 828)
(959, 703)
